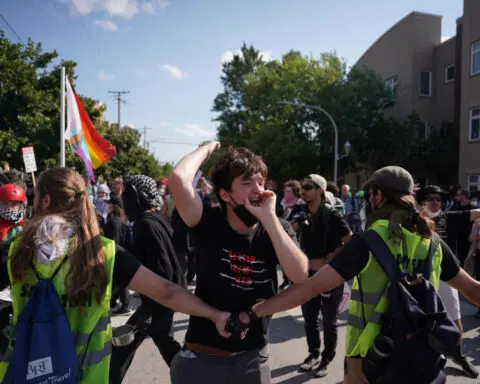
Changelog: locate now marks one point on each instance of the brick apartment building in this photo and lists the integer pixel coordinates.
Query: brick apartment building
(438, 79)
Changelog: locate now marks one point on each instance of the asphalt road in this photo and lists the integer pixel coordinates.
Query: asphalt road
(288, 349)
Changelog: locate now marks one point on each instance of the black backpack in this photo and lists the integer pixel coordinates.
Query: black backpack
(417, 332)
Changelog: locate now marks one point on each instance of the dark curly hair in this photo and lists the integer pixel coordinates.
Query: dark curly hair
(236, 162)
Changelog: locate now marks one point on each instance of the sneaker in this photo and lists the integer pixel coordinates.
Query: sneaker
(311, 362)
(123, 310)
(284, 285)
(322, 369)
(467, 367)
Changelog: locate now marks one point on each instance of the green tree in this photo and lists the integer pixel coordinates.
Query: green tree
(30, 115)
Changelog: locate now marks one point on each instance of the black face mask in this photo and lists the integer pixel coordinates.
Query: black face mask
(244, 214)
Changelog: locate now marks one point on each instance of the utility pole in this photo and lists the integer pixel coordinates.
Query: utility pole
(145, 142)
(120, 100)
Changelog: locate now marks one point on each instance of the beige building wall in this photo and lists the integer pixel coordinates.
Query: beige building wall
(443, 91)
(469, 159)
(402, 52)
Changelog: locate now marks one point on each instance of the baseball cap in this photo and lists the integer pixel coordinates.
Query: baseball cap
(318, 180)
(115, 200)
(393, 177)
(118, 180)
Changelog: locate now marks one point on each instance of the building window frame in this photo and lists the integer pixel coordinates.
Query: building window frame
(474, 117)
(474, 51)
(429, 94)
(474, 182)
(392, 83)
(447, 80)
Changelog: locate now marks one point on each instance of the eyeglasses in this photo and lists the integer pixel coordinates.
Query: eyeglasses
(308, 187)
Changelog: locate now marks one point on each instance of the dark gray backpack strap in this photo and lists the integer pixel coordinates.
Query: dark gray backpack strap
(382, 254)
(425, 268)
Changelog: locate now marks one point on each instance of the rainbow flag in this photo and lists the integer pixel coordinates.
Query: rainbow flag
(82, 136)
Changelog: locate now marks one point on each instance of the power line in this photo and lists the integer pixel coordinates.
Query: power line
(12, 29)
(169, 141)
(120, 100)
(145, 142)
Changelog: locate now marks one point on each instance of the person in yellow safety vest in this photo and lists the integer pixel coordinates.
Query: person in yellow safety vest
(393, 204)
(65, 225)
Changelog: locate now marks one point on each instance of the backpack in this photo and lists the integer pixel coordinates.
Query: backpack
(43, 348)
(417, 327)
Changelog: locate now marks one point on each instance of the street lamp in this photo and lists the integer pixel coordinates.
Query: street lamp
(347, 145)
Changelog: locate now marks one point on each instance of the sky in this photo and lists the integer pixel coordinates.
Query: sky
(168, 53)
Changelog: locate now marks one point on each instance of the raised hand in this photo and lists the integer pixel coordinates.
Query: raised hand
(265, 207)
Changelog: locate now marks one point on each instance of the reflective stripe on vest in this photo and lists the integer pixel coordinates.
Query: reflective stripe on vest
(368, 301)
(90, 324)
(82, 338)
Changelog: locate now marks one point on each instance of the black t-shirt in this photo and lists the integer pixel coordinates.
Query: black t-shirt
(234, 271)
(316, 240)
(124, 268)
(458, 229)
(353, 258)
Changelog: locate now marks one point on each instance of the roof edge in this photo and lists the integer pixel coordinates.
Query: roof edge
(413, 13)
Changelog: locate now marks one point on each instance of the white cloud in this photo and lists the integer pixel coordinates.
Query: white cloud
(139, 71)
(107, 25)
(174, 71)
(445, 38)
(105, 76)
(148, 8)
(130, 125)
(163, 123)
(192, 130)
(228, 55)
(122, 8)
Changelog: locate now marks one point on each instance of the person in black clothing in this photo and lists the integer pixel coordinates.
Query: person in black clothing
(116, 229)
(236, 266)
(153, 247)
(65, 226)
(322, 232)
(458, 237)
(354, 257)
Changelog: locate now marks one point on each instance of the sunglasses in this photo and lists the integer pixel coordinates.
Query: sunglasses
(434, 199)
(308, 187)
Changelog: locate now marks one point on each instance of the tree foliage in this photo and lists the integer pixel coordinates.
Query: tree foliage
(30, 115)
(295, 141)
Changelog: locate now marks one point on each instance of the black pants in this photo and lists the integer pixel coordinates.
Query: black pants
(249, 367)
(6, 310)
(329, 308)
(123, 295)
(149, 319)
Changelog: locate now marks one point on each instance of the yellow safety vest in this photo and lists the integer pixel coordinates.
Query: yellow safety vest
(369, 287)
(90, 324)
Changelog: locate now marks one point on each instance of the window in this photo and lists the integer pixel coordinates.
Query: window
(426, 83)
(427, 130)
(475, 58)
(474, 124)
(392, 84)
(449, 73)
(474, 183)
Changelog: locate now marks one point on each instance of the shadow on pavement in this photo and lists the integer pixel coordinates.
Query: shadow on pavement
(300, 377)
(282, 329)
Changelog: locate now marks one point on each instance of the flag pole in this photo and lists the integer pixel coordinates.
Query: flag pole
(62, 118)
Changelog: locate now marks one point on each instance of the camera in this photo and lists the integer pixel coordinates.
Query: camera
(302, 218)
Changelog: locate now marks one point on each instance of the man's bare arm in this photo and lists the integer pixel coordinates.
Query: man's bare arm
(180, 184)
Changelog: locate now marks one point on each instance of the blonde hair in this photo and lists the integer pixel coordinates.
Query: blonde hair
(87, 276)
